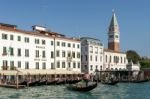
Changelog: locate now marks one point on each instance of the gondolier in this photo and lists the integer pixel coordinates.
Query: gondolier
(86, 78)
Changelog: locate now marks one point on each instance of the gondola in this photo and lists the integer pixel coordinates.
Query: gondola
(27, 83)
(60, 82)
(34, 83)
(52, 82)
(140, 81)
(23, 83)
(82, 88)
(109, 82)
(42, 82)
(70, 81)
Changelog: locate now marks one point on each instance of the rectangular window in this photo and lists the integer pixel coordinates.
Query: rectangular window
(91, 67)
(121, 59)
(26, 40)
(5, 65)
(11, 37)
(73, 54)
(52, 43)
(124, 60)
(96, 58)
(4, 51)
(57, 54)
(78, 54)
(86, 58)
(78, 64)
(19, 52)
(26, 52)
(43, 42)
(78, 46)
(91, 49)
(106, 58)
(91, 57)
(96, 67)
(69, 45)
(73, 45)
(43, 65)
(26, 65)
(63, 44)
(19, 64)
(43, 54)
(74, 65)
(96, 50)
(69, 54)
(52, 54)
(37, 53)
(63, 54)
(69, 65)
(52, 66)
(19, 38)
(37, 41)
(4, 36)
(58, 64)
(12, 65)
(63, 65)
(58, 43)
(37, 65)
(11, 51)
(110, 59)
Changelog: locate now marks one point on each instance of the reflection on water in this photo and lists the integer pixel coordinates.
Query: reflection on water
(119, 91)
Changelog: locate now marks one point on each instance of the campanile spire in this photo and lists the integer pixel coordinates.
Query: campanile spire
(113, 34)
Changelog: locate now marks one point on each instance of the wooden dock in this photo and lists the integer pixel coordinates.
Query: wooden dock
(12, 86)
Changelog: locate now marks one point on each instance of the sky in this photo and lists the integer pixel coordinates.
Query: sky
(84, 18)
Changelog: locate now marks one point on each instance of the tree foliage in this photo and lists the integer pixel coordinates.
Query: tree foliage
(145, 63)
(133, 55)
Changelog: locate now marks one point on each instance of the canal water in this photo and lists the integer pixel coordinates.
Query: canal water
(119, 91)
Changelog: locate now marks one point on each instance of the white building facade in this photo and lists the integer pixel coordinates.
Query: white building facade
(114, 60)
(91, 55)
(38, 49)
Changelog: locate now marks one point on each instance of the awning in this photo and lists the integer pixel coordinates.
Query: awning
(46, 71)
(10, 72)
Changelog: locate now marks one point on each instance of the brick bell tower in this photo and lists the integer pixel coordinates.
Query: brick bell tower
(113, 34)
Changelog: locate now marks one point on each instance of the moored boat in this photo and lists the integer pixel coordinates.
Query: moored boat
(42, 82)
(140, 81)
(81, 87)
(27, 83)
(51, 82)
(59, 82)
(70, 81)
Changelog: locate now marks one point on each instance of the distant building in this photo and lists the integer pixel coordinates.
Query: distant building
(91, 54)
(37, 49)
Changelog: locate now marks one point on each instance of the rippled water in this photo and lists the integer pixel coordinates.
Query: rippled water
(119, 91)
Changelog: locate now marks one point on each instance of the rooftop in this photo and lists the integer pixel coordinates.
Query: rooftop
(9, 27)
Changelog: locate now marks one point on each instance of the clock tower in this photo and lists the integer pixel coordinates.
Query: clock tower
(113, 34)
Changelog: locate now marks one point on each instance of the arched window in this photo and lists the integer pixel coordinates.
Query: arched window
(114, 59)
(121, 59)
